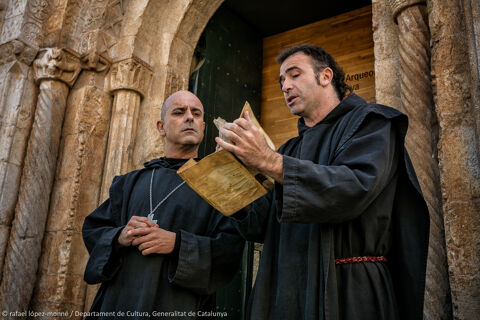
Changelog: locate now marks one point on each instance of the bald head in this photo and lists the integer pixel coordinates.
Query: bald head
(182, 125)
(182, 95)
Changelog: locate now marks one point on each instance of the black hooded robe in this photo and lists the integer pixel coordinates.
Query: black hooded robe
(349, 190)
(208, 250)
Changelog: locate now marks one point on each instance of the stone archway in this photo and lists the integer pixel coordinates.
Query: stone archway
(164, 42)
(148, 46)
(171, 63)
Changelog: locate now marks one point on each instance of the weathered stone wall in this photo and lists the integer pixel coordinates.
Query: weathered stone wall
(81, 85)
(101, 127)
(417, 51)
(457, 151)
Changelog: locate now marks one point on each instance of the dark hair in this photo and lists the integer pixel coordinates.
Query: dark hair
(321, 60)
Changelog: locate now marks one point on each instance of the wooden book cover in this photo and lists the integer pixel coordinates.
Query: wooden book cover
(223, 181)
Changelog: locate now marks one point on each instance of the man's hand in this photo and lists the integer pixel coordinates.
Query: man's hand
(125, 238)
(153, 240)
(250, 146)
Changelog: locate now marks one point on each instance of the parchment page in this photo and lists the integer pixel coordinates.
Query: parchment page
(223, 182)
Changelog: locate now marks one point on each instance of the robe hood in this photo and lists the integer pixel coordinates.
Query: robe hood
(345, 106)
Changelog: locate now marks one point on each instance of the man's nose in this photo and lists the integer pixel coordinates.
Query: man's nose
(286, 86)
(189, 115)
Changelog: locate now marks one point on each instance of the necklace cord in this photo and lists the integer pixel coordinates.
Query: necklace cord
(163, 200)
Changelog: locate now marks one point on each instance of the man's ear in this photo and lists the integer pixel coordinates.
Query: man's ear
(160, 128)
(326, 76)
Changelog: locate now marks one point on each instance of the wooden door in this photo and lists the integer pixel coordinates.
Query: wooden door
(230, 75)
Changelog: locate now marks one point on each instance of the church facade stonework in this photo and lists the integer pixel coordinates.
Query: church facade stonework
(81, 87)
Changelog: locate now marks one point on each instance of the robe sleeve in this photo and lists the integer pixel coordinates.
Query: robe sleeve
(207, 263)
(252, 226)
(359, 171)
(100, 232)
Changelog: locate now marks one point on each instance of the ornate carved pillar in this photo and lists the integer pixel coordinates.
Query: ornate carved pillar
(457, 109)
(56, 70)
(417, 102)
(75, 193)
(17, 106)
(128, 81)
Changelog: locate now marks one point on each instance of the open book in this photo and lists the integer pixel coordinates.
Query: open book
(223, 181)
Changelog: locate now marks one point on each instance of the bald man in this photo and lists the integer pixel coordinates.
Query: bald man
(158, 248)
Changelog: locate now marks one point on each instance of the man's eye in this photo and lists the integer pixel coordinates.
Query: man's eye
(295, 75)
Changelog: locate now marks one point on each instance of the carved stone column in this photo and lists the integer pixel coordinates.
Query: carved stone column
(128, 81)
(75, 193)
(17, 106)
(459, 156)
(56, 70)
(417, 102)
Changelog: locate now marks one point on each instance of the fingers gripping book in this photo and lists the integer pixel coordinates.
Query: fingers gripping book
(223, 180)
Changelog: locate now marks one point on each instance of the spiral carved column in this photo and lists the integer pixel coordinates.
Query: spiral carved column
(17, 108)
(55, 71)
(417, 102)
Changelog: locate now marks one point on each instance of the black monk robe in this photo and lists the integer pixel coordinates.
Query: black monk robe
(207, 254)
(349, 190)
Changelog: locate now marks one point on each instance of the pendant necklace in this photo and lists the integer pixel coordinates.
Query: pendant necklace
(150, 215)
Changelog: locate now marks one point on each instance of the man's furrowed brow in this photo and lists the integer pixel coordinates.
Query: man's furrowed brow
(179, 108)
(184, 108)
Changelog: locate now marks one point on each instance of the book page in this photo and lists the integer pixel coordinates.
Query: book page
(223, 182)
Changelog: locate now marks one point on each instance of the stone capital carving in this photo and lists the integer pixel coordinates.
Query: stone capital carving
(129, 74)
(94, 61)
(400, 5)
(17, 50)
(57, 64)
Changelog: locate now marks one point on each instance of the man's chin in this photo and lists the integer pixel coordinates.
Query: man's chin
(296, 111)
(191, 141)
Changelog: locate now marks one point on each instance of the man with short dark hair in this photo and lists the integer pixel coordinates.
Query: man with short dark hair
(158, 249)
(345, 230)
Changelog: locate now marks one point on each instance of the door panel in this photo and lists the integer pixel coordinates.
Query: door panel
(231, 73)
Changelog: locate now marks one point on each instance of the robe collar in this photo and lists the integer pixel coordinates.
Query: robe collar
(164, 162)
(345, 106)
